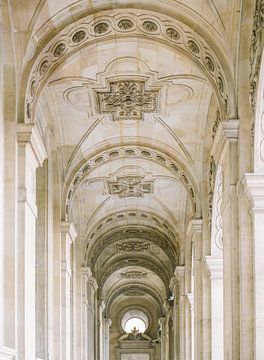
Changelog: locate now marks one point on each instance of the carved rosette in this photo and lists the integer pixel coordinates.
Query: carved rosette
(127, 100)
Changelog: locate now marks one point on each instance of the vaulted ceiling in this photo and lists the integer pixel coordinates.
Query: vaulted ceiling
(126, 94)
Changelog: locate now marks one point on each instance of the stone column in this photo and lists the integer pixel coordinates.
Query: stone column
(162, 324)
(68, 235)
(254, 186)
(215, 273)
(179, 275)
(189, 327)
(225, 153)
(89, 289)
(196, 236)
(174, 290)
(100, 321)
(107, 324)
(30, 155)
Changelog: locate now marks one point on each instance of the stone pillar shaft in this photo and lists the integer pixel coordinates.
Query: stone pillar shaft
(225, 153)
(254, 186)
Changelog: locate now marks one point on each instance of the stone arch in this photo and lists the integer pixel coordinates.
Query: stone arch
(165, 30)
(144, 152)
(140, 288)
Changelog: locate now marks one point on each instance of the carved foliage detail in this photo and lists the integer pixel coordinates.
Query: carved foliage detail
(134, 293)
(127, 100)
(134, 275)
(165, 30)
(133, 246)
(130, 186)
(212, 173)
(255, 54)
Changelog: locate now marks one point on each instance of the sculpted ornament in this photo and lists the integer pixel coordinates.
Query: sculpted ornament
(130, 186)
(84, 31)
(133, 246)
(134, 293)
(127, 100)
(134, 275)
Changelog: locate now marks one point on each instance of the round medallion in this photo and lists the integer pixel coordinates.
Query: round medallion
(150, 26)
(125, 24)
(101, 28)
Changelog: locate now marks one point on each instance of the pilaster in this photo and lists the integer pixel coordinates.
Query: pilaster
(254, 188)
(30, 154)
(225, 153)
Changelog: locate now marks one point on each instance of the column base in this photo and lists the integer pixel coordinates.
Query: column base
(7, 353)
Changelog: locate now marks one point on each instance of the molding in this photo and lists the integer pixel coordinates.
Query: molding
(253, 185)
(214, 267)
(195, 226)
(68, 228)
(87, 274)
(227, 132)
(179, 272)
(190, 299)
(29, 133)
(7, 353)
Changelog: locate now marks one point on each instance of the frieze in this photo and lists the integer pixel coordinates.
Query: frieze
(133, 246)
(134, 293)
(134, 275)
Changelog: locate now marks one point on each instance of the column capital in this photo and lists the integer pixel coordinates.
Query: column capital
(29, 134)
(172, 284)
(179, 272)
(195, 226)
(253, 184)
(68, 228)
(227, 132)
(88, 276)
(213, 266)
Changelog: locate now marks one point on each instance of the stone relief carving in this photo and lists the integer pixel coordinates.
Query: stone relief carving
(212, 174)
(127, 99)
(77, 34)
(133, 246)
(134, 293)
(216, 123)
(134, 275)
(131, 186)
(125, 24)
(256, 47)
(138, 152)
(217, 226)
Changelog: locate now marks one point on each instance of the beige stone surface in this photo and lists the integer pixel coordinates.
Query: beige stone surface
(131, 179)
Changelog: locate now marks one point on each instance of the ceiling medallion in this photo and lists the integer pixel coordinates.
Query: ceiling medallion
(127, 100)
(130, 186)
